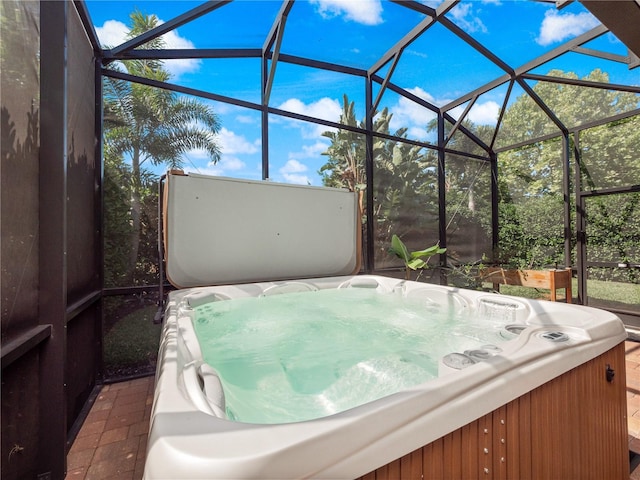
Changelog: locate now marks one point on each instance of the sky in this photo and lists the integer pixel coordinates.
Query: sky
(437, 67)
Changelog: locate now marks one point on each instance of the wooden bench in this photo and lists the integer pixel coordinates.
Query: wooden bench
(552, 279)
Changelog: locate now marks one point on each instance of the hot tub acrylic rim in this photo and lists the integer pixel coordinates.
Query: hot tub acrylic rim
(359, 441)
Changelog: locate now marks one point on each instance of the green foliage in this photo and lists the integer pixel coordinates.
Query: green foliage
(613, 231)
(610, 155)
(131, 345)
(531, 178)
(345, 167)
(531, 233)
(405, 192)
(416, 260)
(118, 228)
(144, 124)
(531, 198)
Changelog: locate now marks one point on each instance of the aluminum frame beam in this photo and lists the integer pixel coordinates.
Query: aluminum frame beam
(581, 83)
(274, 40)
(170, 25)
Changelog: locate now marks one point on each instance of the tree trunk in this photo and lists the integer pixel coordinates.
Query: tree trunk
(136, 202)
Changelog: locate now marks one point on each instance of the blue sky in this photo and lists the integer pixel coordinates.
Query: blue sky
(437, 67)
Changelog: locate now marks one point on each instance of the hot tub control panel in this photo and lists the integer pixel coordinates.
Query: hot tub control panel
(555, 336)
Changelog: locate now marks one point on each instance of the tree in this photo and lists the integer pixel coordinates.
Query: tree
(147, 124)
(537, 169)
(531, 177)
(404, 179)
(345, 166)
(467, 195)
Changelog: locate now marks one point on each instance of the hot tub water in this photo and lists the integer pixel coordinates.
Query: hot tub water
(298, 356)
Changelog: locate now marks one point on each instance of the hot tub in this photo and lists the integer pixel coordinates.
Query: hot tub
(549, 385)
(528, 389)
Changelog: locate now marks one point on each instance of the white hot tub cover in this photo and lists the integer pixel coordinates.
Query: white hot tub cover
(220, 230)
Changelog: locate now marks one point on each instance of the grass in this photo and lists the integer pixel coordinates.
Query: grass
(614, 294)
(132, 343)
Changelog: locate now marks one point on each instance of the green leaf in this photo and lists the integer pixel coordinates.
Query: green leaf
(399, 249)
(428, 252)
(416, 263)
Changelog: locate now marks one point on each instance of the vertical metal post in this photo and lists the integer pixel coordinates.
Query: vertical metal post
(442, 207)
(99, 179)
(160, 313)
(581, 226)
(265, 117)
(370, 235)
(495, 198)
(53, 237)
(566, 192)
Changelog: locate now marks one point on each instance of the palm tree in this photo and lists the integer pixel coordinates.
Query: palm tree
(403, 178)
(148, 124)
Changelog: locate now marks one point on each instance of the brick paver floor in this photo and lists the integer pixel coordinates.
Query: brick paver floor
(113, 439)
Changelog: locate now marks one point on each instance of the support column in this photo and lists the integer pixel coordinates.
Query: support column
(442, 207)
(370, 233)
(53, 237)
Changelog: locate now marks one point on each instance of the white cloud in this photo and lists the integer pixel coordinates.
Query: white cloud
(298, 179)
(230, 142)
(199, 161)
(367, 12)
(484, 113)
(185, 65)
(416, 118)
(228, 165)
(293, 166)
(432, 3)
(325, 108)
(466, 19)
(198, 154)
(411, 115)
(293, 172)
(419, 133)
(312, 151)
(481, 113)
(114, 33)
(232, 146)
(557, 26)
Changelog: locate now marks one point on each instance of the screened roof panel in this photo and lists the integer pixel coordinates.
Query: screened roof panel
(523, 120)
(608, 43)
(583, 65)
(355, 34)
(315, 92)
(481, 119)
(410, 116)
(236, 78)
(501, 26)
(577, 105)
(435, 59)
(251, 21)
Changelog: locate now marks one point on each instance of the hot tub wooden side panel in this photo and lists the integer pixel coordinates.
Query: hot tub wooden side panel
(573, 427)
